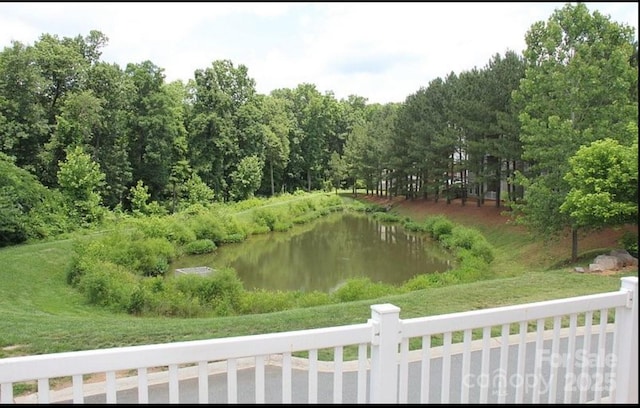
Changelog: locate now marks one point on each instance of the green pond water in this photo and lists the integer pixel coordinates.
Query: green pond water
(323, 254)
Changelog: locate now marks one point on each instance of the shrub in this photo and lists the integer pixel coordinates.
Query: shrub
(358, 206)
(374, 208)
(150, 256)
(438, 226)
(418, 282)
(414, 226)
(301, 207)
(221, 288)
(153, 226)
(208, 226)
(282, 226)
(431, 280)
(386, 217)
(629, 241)
(248, 204)
(263, 301)
(265, 217)
(107, 284)
(201, 246)
(461, 237)
(234, 238)
(471, 268)
(139, 301)
(314, 298)
(172, 303)
(360, 289)
(305, 218)
(179, 231)
(232, 226)
(28, 210)
(259, 229)
(482, 249)
(331, 200)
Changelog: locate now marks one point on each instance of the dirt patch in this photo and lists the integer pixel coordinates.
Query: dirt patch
(14, 347)
(622, 271)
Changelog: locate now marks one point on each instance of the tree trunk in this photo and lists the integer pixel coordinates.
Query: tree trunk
(499, 186)
(509, 193)
(574, 244)
(273, 192)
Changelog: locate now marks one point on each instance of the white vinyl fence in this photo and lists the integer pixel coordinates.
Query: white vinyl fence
(574, 350)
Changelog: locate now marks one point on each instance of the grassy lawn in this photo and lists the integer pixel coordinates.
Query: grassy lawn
(42, 314)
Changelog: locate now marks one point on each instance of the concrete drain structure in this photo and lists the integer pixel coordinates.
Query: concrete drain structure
(198, 270)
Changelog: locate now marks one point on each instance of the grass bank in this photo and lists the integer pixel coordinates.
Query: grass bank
(42, 314)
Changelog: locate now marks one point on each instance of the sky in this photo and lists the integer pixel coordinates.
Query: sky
(380, 51)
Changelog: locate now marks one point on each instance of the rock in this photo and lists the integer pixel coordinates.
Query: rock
(579, 269)
(624, 257)
(608, 262)
(596, 267)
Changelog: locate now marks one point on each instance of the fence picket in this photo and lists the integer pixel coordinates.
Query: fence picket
(286, 378)
(586, 349)
(232, 381)
(446, 367)
(466, 367)
(403, 386)
(203, 382)
(425, 378)
(313, 376)
(337, 374)
(78, 397)
(43, 391)
(484, 367)
(362, 373)
(6, 393)
(143, 386)
(111, 387)
(569, 375)
(259, 375)
(520, 365)
(554, 360)
(537, 363)
(600, 384)
(504, 359)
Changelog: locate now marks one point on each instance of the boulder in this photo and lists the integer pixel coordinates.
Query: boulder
(624, 257)
(607, 263)
(616, 260)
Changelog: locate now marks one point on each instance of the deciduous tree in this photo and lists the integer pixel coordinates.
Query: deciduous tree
(579, 86)
(603, 178)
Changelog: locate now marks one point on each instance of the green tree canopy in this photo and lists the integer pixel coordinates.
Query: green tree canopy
(604, 185)
(579, 86)
(246, 178)
(27, 208)
(80, 179)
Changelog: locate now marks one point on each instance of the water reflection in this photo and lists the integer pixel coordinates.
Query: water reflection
(323, 254)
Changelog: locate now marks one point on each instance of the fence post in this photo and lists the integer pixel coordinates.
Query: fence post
(383, 386)
(626, 354)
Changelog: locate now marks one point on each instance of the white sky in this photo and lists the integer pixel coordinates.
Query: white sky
(381, 51)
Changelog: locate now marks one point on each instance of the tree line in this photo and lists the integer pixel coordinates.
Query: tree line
(80, 136)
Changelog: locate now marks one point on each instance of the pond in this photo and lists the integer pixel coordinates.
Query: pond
(323, 254)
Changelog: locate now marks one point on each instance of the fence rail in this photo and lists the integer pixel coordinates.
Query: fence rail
(580, 349)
